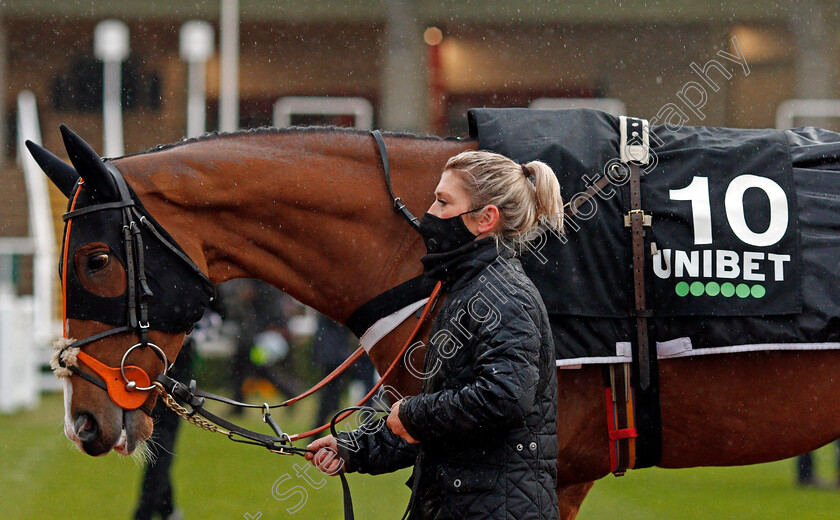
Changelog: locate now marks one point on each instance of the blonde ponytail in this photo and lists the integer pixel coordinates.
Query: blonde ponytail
(549, 200)
(526, 195)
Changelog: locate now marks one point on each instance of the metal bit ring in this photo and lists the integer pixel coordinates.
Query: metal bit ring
(132, 385)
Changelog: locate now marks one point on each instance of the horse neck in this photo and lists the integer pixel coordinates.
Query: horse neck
(307, 212)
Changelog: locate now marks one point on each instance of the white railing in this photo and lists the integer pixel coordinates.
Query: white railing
(790, 109)
(359, 108)
(27, 324)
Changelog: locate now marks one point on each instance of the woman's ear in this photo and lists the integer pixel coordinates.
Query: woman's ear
(488, 220)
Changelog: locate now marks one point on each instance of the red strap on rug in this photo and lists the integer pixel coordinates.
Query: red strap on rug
(610, 430)
(625, 433)
(616, 434)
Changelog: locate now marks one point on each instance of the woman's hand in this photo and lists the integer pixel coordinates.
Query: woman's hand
(323, 453)
(396, 425)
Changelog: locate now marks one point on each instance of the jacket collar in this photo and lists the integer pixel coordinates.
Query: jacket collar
(457, 267)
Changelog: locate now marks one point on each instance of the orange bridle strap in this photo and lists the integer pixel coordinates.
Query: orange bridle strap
(420, 322)
(329, 378)
(117, 391)
(64, 264)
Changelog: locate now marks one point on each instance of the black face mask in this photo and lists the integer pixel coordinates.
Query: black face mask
(445, 234)
(178, 294)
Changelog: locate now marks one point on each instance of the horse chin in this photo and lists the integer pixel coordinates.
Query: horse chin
(137, 428)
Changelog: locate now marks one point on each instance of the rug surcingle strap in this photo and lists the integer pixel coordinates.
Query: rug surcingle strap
(645, 378)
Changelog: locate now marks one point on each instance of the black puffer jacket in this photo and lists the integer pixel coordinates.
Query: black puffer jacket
(486, 418)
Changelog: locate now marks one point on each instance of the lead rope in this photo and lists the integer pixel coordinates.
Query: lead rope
(183, 413)
(196, 401)
(205, 420)
(204, 424)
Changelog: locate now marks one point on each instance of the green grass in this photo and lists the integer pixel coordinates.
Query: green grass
(762, 491)
(42, 476)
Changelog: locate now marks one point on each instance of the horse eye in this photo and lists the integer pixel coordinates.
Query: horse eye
(98, 261)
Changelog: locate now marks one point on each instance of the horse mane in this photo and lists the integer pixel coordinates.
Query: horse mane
(267, 130)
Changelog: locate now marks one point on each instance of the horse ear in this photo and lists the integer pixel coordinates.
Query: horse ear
(59, 172)
(90, 166)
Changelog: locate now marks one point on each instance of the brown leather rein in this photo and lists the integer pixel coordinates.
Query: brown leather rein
(356, 355)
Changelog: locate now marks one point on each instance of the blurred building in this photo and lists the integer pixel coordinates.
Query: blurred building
(493, 53)
(646, 54)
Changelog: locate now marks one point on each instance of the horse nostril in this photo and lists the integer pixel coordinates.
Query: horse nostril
(86, 427)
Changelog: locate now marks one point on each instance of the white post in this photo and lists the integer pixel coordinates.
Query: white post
(110, 44)
(40, 221)
(229, 66)
(196, 48)
(18, 368)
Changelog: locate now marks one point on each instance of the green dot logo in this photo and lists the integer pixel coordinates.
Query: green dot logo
(712, 288)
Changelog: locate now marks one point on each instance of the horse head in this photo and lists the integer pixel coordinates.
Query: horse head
(130, 295)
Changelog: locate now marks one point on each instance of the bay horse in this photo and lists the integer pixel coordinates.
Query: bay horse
(307, 210)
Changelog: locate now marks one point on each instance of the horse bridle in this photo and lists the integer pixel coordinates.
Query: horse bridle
(137, 322)
(137, 287)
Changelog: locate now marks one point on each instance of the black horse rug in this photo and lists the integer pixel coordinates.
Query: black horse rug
(741, 249)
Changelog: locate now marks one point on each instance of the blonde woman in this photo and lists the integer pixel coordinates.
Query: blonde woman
(482, 433)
